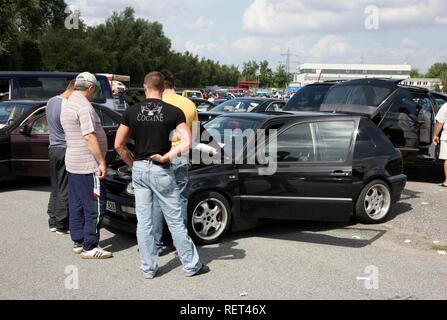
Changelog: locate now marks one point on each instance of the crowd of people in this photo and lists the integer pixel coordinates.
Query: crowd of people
(159, 166)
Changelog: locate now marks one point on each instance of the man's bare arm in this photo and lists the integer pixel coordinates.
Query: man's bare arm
(121, 139)
(184, 133)
(438, 129)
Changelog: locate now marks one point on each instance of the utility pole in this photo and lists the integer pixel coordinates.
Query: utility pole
(288, 61)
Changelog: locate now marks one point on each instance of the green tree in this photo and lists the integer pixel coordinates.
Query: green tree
(265, 74)
(250, 70)
(439, 70)
(415, 73)
(282, 78)
(22, 22)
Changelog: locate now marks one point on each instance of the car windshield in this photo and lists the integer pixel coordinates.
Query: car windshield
(11, 112)
(237, 106)
(226, 128)
(193, 94)
(308, 98)
(357, 95)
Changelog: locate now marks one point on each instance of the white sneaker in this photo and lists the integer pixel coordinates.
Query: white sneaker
(53, 229)
(96, 253)
(77, 248)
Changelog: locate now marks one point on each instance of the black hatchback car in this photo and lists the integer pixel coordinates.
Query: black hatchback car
(328, 168)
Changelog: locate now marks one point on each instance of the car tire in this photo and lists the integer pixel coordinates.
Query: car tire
(374, 202)
(211, 211)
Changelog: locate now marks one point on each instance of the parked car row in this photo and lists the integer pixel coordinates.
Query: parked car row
(341, 150)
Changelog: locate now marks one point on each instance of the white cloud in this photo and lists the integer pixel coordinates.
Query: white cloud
(95, 12)
(441, 20)
(199, 24)
(332, 47)
(408, 43)
(287, 17)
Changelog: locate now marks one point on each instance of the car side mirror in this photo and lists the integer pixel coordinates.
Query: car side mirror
(25, 130)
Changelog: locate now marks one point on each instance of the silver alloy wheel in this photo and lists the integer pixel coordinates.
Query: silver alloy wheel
(377, 201)
(209, 219)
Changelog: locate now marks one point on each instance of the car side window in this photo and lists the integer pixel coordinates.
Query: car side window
(40, 126)
(327, 141)
(276, 106)
(106, 120)
(333, 140)
(296, 144)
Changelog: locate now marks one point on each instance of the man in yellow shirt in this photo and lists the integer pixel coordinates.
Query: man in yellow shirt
(181, 164)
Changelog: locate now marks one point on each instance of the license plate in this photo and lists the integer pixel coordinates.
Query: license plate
(111, 206)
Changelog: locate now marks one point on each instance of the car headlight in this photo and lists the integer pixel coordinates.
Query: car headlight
(129, 189)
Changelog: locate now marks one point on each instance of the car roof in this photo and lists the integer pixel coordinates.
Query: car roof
(26, 102)
(383, 82)
(264, 116)
(42, 73)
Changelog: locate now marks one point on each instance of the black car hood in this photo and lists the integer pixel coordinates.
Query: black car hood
(211, 113)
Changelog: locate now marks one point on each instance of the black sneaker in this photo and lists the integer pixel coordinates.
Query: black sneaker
(204, 269)
(62, 232)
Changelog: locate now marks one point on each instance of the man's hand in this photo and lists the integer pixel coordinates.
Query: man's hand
(102, 171)
(436, 140)
(160, 159)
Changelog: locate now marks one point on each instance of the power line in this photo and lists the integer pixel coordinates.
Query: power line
(288, 61)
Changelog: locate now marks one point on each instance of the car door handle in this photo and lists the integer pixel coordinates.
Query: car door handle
(340, 173)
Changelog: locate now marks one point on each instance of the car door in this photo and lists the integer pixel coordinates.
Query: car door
(313, 179)
(29, 148)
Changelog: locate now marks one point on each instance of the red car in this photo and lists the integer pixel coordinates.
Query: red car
(24, 137)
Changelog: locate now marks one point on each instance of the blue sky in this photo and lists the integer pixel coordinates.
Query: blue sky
(234, 31)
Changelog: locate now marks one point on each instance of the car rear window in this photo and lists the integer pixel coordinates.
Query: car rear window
(358, 95)
(308, 98)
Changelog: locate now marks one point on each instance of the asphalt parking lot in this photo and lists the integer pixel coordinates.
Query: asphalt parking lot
(277, 261)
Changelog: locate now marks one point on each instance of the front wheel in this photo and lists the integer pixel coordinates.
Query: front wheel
(374, 202)
(209, 217)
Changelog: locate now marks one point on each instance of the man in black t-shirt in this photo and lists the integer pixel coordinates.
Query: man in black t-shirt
(151, 123)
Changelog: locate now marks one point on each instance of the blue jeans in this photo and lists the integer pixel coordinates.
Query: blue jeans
(152, 182)
(180, 167)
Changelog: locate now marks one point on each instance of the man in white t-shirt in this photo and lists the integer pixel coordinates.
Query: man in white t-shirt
(441, 125)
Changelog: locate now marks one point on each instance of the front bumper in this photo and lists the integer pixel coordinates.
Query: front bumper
(120, 219)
